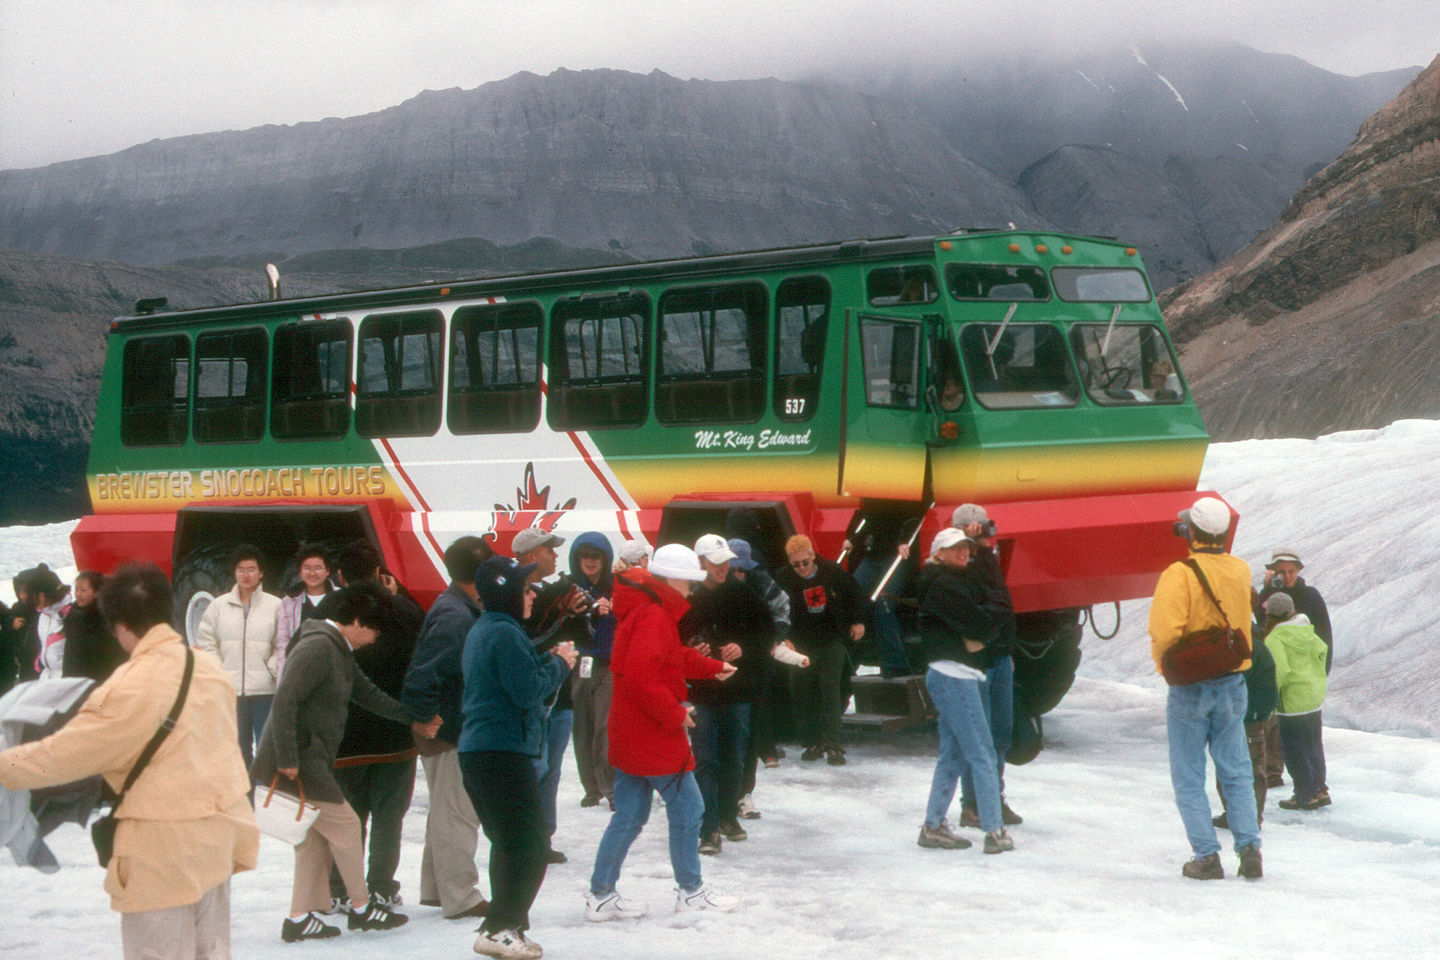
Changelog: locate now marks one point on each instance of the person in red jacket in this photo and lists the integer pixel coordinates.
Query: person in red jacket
(649, 746)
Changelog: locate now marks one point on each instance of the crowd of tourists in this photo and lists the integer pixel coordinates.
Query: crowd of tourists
(673, 672)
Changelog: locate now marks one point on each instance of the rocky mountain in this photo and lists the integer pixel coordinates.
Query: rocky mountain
(1330, 319)
(1188, 149)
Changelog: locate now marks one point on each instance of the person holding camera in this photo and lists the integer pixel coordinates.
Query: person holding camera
(507, 684)
(591, 688)
(184, 824)
(1283, 576)
(1207, 592)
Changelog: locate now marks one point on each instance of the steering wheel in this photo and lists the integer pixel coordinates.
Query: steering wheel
(1119, 378)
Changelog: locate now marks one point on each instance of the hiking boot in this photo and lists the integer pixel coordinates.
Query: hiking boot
(591, 800)
(998, 841)
(1250, 862)
(1321, 799)
(732, 830)
(308, 927)
(1205, 868)
(813, 752)
(1294, 803)
(710, 844)
(612, 906)
(704, 899)
(941, 838)
(507, 945)
(555, 856)
(835, 756)
(969, 817)
(747, 809)
(1009, 817)
(375, 916)
(1221, 822)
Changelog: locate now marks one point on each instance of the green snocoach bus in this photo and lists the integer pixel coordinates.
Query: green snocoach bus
(1030, 372)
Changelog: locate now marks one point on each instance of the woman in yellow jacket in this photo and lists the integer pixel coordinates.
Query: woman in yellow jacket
(185, 825)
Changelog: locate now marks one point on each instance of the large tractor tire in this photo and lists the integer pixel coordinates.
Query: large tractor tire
(1047, 653)
(200, 576)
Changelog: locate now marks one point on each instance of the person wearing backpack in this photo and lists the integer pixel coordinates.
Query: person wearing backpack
(1207, 592)
(1300, 655)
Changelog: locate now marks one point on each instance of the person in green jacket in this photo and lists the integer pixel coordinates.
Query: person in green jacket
(1300, 656)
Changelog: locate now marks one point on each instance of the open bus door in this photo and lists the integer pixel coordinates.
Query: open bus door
(884, 420)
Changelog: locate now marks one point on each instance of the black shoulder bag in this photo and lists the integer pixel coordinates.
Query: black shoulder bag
(1205, 654)
(102, 831)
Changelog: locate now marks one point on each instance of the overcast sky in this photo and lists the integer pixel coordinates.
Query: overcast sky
(85, 77)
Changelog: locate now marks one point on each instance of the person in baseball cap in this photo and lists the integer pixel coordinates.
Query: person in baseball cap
(1209, 516)
(713, 547)
(532, 537)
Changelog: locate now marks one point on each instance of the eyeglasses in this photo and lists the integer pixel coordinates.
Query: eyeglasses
(802, 563)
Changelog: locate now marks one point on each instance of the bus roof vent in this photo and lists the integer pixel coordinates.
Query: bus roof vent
(148, 305)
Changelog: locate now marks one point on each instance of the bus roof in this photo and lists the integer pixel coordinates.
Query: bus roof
(690, 268)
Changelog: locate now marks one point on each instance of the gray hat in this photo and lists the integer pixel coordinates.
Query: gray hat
(743, 560)
(1280, 606)
(532, 537)
(968, 513)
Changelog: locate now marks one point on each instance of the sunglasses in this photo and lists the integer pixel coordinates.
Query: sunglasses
(802, 563)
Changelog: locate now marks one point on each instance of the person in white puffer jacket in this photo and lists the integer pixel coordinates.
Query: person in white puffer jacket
(239, 627)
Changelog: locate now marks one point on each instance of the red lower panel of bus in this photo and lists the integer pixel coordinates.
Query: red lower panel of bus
(105, 541)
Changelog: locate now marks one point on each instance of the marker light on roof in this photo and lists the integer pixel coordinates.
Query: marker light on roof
(1041, 248)
(1067, 249)
(1014, 248)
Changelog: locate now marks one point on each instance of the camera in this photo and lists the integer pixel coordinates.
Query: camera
(1276, 581)
(1181, 529)
(989, 529)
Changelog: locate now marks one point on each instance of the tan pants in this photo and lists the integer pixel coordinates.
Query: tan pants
(452, 832)
(195, 931)
(335, 838)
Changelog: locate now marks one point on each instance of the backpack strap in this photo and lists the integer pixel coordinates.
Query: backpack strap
(164, 731)
(1205, 585)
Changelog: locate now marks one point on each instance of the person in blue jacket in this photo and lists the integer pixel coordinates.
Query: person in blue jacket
(506, 686)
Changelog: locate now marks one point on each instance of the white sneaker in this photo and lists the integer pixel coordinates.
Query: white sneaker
(612, 906)
(704, 899)
(747, 808)
(507, 945)
(338, 905)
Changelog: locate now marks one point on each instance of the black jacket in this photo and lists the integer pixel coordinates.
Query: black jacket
(984, 567)
(822, 608)
(1309, 602)
(731, 612)
(951, 612)
(370, 738)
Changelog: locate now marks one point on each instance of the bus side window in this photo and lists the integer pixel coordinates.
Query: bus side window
(155, 391)
(495, 369)
(888, 286)
(712, 354)
(802, 309)
(397, 378)
(230, 385)
(891, 356)
(310, 387)
(599, 353)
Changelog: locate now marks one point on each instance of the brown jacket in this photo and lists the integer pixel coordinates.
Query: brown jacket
(186, 824)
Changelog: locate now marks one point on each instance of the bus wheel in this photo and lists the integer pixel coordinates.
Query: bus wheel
(1047, 653)
(204, 570)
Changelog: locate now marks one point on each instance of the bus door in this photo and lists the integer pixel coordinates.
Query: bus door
(886, 416)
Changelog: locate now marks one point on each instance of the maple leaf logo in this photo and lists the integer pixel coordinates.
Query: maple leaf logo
(531, 509)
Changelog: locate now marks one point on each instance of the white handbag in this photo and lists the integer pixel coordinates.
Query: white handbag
(282, 816)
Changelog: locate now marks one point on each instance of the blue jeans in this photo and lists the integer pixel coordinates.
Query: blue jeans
(721, 734)
(683, 808)
(250, 716)
(1211, 712)
(889, 646)
(551, 760)
(964, 746)
(998, 695)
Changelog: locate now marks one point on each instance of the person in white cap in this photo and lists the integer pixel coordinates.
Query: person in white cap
(728, 620)
(649, 721)
(1210, 710)
(633, 553)
(957, 633)
(1283, 576)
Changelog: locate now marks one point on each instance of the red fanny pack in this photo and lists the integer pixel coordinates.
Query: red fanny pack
(1205, 654)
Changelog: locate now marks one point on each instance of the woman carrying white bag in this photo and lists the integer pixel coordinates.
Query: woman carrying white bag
(297, 754)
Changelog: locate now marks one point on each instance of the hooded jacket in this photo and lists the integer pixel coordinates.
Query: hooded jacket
(1308, 602)
(1299, 654)
(650, 666)
(507, 682)
(593, 635)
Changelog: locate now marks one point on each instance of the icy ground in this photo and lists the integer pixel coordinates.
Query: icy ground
(832, 870)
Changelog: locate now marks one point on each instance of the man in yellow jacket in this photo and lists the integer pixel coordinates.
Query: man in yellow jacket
(1209, 711)
(185, 826)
